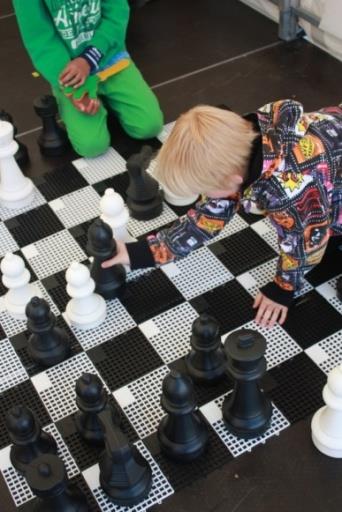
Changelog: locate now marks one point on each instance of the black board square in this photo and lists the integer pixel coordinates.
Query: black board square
(60, 182)
(80, 233)
(125, 358)
(242, 251)
(22, 394)
(298, 389)
(33, 225)
(311, 318)
(56, 287)
(229, 303)
(119, 183)
(149, 295)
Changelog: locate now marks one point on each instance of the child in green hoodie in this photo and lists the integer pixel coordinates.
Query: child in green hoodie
(79, 47)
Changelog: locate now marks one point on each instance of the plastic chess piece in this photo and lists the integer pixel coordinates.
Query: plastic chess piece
(29, 440)
(21, 156)
(16, 190)
(86, 309)
(110, 282)
(206, 361)
(326, 425)
(339, 288)
(125, 476)
(47, 479)
(115, 214)
(53, 140)
(91, 399)
(20, 291)
(48, 345)
(182, 434)
(144, 198)
(246, 411)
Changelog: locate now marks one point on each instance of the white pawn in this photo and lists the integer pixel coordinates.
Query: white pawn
(16, 191)
(16, 278)
(115, 214)
(86, 309)
(326, 425)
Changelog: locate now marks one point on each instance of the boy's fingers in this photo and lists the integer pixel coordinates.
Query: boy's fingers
(266, 316)
(257, 300)
(273, 318)
(283, 316)
(108, 263)
(260, 313)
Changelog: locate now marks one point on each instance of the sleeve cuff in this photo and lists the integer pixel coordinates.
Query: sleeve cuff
(93, 56)
(140, 255)
(274, 292)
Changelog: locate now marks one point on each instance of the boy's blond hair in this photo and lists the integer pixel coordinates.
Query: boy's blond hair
(205, 147)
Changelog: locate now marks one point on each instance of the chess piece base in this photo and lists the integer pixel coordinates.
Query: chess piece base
(17, 310)
(330, 446)
(48, 357)
(247, 428)
(89, 320)
(15, 200)
(148, 210)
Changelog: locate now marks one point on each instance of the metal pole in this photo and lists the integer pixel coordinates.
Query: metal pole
(288, 20)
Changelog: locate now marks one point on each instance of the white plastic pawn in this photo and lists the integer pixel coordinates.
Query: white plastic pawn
(168, 196)
(115, 214)
(16, 190)
(326, 425)
(86, 309)
(16, 278)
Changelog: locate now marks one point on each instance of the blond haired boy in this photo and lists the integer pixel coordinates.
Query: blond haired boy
(279, 161)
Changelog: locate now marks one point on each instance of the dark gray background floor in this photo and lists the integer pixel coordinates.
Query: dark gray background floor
(211, 51)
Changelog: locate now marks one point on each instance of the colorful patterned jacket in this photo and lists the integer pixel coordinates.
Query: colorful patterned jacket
(298, 185)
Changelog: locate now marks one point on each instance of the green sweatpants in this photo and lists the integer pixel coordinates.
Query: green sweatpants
(133, 102)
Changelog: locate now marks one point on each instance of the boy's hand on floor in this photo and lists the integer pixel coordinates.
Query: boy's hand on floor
(269, 312)
(86, 105)
(122, 256)
(75, 73)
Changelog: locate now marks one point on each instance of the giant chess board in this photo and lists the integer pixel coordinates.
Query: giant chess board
(147, 333)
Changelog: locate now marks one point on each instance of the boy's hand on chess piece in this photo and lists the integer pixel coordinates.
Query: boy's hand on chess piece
(269, 312)
(75, 73)
(86, 105)
(121, 258)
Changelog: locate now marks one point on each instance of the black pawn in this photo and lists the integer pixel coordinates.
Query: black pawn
(21, 156)
(29, 440)
(246, 411)
(48, 344)
(110, 282)
(339, 288)
(47, 478)
(206, 361)
(125, 476)
(144, 198)
(182, 433)
(91, 399)
(53, 140)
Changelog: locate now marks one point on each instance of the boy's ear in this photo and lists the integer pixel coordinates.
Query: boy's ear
(236, 179)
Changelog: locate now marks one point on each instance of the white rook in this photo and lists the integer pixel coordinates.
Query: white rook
(16, 190)
(326, 425)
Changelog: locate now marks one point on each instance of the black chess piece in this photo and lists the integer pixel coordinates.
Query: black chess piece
(339, 288)
(53, 140)
(125, 476)
(48, 344)
(28, 438)
(182, 433)
(246, 411)
(21, 156)
(206, 360)
(47, 478)
(91, 399)
(110, 282)
(144, 198)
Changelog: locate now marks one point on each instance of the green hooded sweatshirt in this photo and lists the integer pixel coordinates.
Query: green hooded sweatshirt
(56, 31)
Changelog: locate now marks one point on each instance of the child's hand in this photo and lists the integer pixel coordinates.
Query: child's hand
(75, 73)
(86, 105)
(122, 256)
(269, 312)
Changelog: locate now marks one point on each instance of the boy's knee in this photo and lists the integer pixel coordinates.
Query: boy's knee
(148, 128)
(90, 147)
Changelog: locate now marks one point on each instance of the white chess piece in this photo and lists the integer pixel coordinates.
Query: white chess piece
(16, 190)
(16, 278)
(86, 309)
(115, 213)
(326, 425)
(168, 196)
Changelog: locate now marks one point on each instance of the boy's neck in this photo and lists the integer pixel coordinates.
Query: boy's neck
(256, 158)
